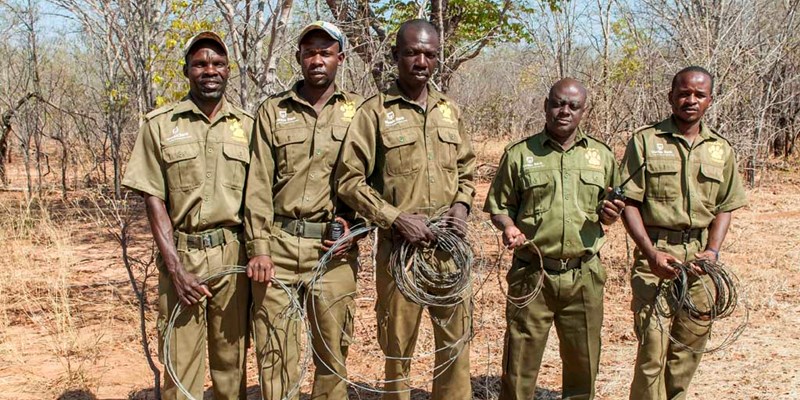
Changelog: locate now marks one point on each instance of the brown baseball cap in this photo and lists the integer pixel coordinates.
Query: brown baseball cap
(207, 35)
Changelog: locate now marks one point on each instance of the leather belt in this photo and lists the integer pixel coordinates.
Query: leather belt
(207, 239)
(673, 236)
(555, 264)
(301, 228)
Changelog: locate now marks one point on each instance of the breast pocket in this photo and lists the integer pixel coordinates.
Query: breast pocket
(402, 153)
(449, 139)
(237, 157)
(709, 179)
(663, 180)
(335, 144)
(184, 167)
(591, 188)
(289, 149)
(538, 192)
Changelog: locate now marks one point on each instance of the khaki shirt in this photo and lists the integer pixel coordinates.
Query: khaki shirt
(683, 185)
(293, 158)
(196, 165)
(399, 157)
(553, 194)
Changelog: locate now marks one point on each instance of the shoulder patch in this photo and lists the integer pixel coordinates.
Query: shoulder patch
(238, 110)
(643, 128)
(158, 111)
(717, 134)
(355, 98)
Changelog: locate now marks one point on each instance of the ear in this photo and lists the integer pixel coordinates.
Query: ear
(340, 58)
(544, 104)
(297, 56)
(186, 70)
(394, 54)
(669, 97)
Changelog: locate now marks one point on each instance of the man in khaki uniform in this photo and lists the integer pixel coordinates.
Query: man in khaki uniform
(190, 163)
(549, 189)
(678, 210)
(406, 156)
(290, 204)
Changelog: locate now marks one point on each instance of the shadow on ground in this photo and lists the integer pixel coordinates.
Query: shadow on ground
(77, 394)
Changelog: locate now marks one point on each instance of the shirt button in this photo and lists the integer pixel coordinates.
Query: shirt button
(203, 221)
(402, 139)
(567, 220)
(205, 199)
(208, 174)
(568, 243)
(433, 180)
(566, 197)
(694, 215)
(430, 156)
(318, 152)
(312, 175)
(209, 150)
(306, 198)
(419, 111)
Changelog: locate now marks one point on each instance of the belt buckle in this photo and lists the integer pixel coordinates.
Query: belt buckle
(206, 241)
(564, 263)
(685, 236)
(299, 227)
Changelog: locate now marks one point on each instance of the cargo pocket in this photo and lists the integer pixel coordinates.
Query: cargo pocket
(401, 155)
(538, 192)
(184, 168)
(592, 187)
(347, 329)
(663, 180)
(289, 149)
(337, 137)
(237, 157)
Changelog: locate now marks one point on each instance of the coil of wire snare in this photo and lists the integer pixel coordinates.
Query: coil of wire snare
(450, 241)
(723, 295)
(422, 283)
(295, 306)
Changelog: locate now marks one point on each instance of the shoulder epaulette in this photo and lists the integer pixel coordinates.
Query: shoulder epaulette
(516, 142)
(243, 112)
(158, 111)
(644, 127)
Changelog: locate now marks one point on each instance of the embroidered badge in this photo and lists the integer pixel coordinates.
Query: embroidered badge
(593, 158)
(237, 133)
(348, 109)
(284, 118)
(447, 113)
(392, 120)
(177, 135)
(531, 163)
(661, 151)
(716, 152)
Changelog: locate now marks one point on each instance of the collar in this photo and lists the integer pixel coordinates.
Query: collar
(669, 127)
(294, 93)
(580, 139)
(186, 104)
(395, 94)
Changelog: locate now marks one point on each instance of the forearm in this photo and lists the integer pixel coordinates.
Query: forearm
(502, 221)
(717, 231)
(632, 218)
(161, 228)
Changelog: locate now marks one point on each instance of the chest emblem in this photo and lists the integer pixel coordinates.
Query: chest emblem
(530, 162)
(237, 133)
(716, 152)
(348, 109)
(284, 118)
(447, 112)
(392, 120)
(593, 158)
(177, 135)
(661, 151)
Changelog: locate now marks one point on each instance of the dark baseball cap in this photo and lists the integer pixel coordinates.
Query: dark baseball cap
(326, 27)
(207, 35)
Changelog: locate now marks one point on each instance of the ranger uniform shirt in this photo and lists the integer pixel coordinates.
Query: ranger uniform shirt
(196, 165)
(294, 154)
(683, 185)
(401, 157)
(553, 194)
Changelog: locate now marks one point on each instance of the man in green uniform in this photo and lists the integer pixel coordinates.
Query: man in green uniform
(190, 163)
(290, 204)
(550, 189)
(406, 156)
(678, 210)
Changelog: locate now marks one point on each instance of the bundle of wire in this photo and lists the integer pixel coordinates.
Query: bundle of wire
(722, 295)
(451, 290)
(426, 284)
(295, 309)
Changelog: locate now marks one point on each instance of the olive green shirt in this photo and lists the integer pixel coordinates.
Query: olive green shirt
(294, 154)
(196, 165)
(553, 194)
(401, 157)
(683, 185)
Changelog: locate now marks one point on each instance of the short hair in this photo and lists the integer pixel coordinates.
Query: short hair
(421, 24)
(693, 68)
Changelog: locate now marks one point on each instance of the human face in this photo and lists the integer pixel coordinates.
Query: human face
(691, 96)
(564, 109)
(207, 70)
(319, 57)
(416, 57)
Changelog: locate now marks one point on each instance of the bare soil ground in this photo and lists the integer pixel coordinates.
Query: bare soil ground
(69, 322)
